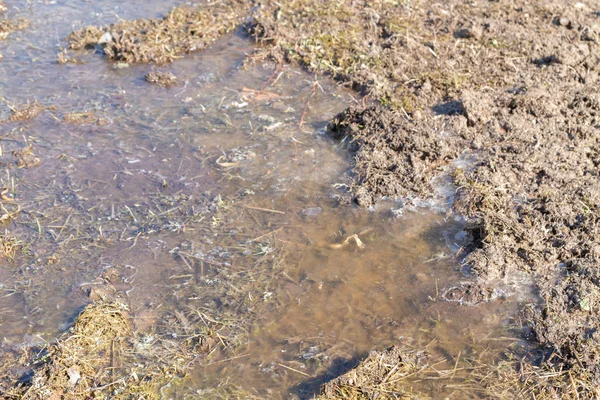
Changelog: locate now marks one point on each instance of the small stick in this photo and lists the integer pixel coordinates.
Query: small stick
(292, 369)
(265, 209)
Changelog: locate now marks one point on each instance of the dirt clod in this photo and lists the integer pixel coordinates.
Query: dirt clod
(393, 156)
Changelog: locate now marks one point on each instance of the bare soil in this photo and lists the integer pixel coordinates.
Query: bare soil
(513, 84)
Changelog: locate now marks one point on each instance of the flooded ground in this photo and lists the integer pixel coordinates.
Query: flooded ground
(218, 202)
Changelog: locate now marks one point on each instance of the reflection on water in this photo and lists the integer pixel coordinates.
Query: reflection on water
(220, 195)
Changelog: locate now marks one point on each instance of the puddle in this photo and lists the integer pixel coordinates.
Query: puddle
(218, 199)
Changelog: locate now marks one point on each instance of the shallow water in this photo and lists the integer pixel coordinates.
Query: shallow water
(207, 197)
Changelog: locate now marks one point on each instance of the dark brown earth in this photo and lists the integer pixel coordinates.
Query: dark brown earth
(513, 85)
(393, 155)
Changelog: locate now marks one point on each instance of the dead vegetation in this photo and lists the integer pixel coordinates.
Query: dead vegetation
(83, 118)
(183, 30)
(9, 246)
(8, 26)
(382, 374)
(25, 111)
(84, 362)
(164, 79)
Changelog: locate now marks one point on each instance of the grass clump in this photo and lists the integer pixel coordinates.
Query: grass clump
(381, 375)
(84, 363)
(160, 41)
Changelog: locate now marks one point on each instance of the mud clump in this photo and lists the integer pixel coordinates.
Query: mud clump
(159, 41)
(393, 156)
(164, 79)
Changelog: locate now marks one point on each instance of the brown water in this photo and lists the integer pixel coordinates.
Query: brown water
(205, 200)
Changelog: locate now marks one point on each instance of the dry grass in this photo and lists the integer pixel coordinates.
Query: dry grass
(84, 362)
(381, 375)
(8, 26)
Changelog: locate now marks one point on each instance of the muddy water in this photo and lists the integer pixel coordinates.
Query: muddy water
(219, 196)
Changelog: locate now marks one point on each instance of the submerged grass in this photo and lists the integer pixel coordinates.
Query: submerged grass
(9, 246)
(8, 26)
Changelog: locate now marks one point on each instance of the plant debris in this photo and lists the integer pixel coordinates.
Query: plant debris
(382, 374)
(164, 79)
(84, 362)
(83, 118)
(7, 26)
(24, 112)
(26, 158)
(9, 246)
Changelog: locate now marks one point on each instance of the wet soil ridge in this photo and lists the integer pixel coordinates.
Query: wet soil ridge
(394, 156)
(516, 85)
(183, 30)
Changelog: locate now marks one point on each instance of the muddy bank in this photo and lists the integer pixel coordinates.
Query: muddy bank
(512, 84)
(183, 30)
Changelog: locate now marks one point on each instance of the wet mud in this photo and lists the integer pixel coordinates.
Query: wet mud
(514, 85)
